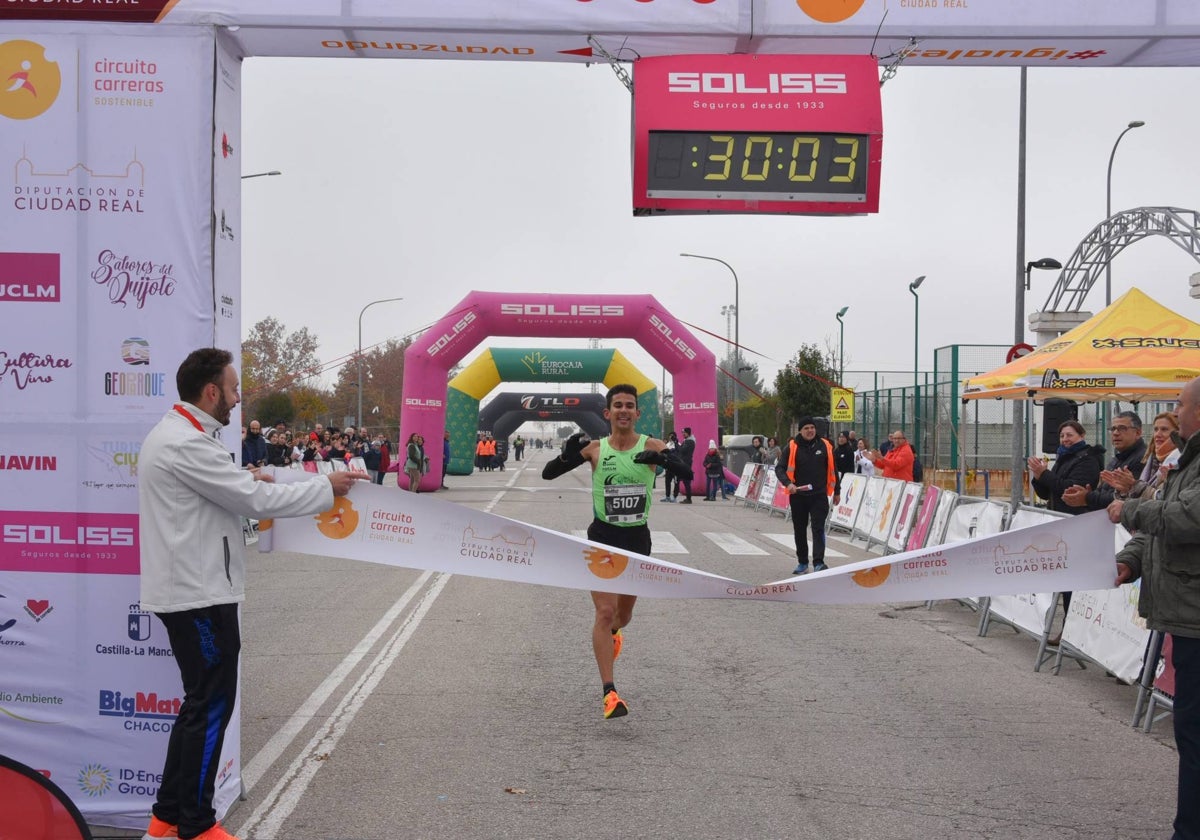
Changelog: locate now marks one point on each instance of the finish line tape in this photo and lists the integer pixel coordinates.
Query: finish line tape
(417, 531)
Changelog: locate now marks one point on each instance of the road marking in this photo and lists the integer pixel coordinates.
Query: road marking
(255, 768)
(268, 818)
(788, 541)
(663, 542)
(733, 544)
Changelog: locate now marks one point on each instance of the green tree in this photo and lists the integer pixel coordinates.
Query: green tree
(803, 386)
(273, 407)
(736, 387)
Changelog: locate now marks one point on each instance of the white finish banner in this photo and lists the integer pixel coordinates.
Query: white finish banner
(418, 531)
(1105, 625)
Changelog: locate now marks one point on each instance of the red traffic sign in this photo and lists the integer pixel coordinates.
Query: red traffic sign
(1017, 351)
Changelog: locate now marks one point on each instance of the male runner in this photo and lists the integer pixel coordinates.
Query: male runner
(622, 484)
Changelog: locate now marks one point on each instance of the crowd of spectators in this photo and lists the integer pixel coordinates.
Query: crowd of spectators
(280, 446)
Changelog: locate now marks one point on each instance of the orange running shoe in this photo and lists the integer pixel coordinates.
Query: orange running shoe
(618, 640)
(614, 706)
(215, 833)
(159, 829)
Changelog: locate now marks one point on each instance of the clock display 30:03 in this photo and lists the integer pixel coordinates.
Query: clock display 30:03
(770, 165)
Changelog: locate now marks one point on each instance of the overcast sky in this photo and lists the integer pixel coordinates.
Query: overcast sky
(428, 179)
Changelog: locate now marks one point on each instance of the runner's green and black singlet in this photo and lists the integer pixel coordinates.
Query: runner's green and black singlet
(621, 489)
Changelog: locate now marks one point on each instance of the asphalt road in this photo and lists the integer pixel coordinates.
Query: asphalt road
(383, 703)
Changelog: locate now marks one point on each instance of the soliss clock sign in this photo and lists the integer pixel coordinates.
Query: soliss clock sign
(796, 134)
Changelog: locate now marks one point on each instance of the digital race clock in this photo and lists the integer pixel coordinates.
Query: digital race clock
(756, 134)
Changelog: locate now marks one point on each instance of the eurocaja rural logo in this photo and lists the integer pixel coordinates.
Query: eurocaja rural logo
(29, 81)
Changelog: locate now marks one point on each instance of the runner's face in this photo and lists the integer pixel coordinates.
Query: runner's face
(623, 412)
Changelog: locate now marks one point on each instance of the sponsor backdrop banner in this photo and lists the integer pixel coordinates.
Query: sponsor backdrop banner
(1063, 33)
(105, 285)
(418, 531)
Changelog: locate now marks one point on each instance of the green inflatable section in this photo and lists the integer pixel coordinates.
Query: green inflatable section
(536, 365)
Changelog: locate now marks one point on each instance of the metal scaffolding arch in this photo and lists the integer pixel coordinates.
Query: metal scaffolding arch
(1112, 236)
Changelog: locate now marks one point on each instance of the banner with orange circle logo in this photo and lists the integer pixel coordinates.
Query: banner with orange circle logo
(418, 531)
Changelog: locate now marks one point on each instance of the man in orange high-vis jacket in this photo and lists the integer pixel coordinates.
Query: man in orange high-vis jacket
(808, 474)
(898, 462)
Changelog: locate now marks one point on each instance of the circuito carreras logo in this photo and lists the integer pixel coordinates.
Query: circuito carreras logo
(604, 563)
(830, 11)
(340, 521)
(870, 578)
(29, 82)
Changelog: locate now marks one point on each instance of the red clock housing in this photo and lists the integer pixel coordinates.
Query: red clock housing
(799, 134)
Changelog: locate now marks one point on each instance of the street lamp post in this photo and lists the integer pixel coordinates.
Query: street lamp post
(737, 344)
(912, 287)
(261, 174)
(360, 314)
(1108, 209)
(842, 345)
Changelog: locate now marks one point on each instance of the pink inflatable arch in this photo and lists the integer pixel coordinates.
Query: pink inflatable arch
(481, 315)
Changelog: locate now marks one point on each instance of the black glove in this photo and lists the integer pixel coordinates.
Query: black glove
(572, 449)
(571, 457)
(648, 456)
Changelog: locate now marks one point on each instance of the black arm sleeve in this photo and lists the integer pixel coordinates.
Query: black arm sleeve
(676, 466)
(557, 466)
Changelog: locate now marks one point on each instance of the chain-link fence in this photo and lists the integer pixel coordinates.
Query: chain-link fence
(950, 436)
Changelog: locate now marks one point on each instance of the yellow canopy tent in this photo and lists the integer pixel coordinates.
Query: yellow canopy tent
(1134, 350)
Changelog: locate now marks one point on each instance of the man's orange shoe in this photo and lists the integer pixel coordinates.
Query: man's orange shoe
(614, 706)
(618, 640)
(159, 829)
(215, 833)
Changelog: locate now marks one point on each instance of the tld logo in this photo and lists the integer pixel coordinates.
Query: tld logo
(532, 402)
(29, 278)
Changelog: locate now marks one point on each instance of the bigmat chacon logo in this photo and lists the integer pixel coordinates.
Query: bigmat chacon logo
(29, 82)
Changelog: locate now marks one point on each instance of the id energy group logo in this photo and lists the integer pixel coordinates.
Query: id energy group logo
(29, 82)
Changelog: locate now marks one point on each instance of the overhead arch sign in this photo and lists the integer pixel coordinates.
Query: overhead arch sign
(541, 365)
(1064, 33)
(482, 315)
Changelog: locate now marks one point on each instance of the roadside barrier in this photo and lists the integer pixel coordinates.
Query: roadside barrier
(1102, 626)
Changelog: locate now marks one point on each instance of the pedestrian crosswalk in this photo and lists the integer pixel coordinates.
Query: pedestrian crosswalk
(666, 542)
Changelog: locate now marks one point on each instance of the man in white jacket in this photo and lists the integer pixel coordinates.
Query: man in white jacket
(191, 498)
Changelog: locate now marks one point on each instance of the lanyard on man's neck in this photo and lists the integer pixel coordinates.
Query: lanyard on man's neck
(190, 417)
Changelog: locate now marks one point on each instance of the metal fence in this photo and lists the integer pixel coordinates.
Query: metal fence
(949, 434)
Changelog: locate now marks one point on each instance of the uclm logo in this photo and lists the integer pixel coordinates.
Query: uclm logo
(29, 278)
